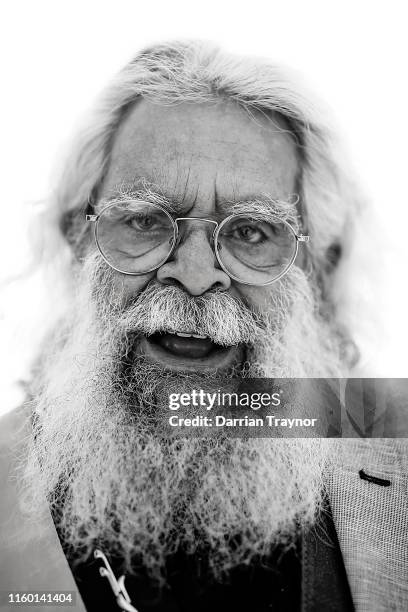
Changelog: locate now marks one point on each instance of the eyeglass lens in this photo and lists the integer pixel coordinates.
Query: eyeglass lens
(139, 237)
(255, 250)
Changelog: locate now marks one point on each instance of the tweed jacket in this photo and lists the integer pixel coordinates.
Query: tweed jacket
(371, 523)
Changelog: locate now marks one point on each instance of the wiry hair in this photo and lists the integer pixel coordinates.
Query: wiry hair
(195, 72)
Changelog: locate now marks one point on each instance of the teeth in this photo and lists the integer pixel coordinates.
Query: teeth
(183, 335)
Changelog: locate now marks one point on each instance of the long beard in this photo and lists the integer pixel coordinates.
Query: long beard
(117, 482)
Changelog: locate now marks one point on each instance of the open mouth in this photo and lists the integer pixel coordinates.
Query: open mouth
(191, 346)
(188, 351)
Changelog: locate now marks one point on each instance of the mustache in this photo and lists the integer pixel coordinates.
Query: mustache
(216, 314)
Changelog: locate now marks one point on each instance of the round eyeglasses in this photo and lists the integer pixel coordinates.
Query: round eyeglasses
(138, 237)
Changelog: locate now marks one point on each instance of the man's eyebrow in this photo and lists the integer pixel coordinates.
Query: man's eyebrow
(146, 192)
(264, 205)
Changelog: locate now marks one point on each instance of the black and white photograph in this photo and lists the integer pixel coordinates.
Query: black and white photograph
(203, 281)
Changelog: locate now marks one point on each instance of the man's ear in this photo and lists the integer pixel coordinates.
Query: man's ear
(76, 231)
(325, 273)
(333, 255)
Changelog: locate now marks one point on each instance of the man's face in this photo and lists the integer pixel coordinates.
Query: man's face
(204, 157)
(105, 464)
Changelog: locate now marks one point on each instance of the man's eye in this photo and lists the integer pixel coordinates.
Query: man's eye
(249, 233)
(142, 222)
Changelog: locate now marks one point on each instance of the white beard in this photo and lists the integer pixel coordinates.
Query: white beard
(119, 483)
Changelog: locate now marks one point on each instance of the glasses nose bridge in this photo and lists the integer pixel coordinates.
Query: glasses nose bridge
(202, 220)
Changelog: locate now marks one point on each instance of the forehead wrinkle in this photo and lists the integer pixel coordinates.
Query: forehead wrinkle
(216, 196)
(184, 199)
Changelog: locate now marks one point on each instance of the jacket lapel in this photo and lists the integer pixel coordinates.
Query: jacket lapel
(372, 522)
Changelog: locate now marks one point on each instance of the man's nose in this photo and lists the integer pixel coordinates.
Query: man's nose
(193, 265)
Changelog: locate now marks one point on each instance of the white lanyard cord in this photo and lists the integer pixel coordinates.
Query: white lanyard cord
(117, 585)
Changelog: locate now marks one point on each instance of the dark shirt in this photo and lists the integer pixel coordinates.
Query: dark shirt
(273, 584)
(310, 576)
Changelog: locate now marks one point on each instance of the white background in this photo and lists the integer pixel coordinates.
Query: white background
(56, 56)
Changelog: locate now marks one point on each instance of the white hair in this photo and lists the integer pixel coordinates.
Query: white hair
(196, 72)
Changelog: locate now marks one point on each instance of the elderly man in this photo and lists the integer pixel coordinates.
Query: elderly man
(187, 203)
